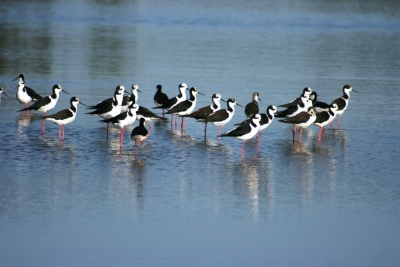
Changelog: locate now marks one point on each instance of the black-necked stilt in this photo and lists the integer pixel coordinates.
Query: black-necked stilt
(108, 110)
(252, 108)
(207, 110)
(222, 116)
(318, 105)
(306, 91)
(24, 93)
(246, 131)
(47, 103)
(160, 98)
(65, 116)
(325, 117)
(2, 92)
(301, 120)
(140, 133)
(185, 107)
(124, 119)
(128, 100)
(175, 100)
(343, 101)
(293, 110)
(265, 121)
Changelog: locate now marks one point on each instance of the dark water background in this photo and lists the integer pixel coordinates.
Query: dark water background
(183, 200)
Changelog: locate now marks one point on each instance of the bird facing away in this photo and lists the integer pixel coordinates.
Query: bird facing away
(124, 119)
(343, 101)
(25, 94)
(222, 116)
(46, 103)
(160, 98)
(139, 134)
(246, 131)
(252, 108)
(301, 120)
(206, 111)
(175, 100)
(65, 116)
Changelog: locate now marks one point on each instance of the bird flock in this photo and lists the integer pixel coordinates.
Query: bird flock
(123, 110)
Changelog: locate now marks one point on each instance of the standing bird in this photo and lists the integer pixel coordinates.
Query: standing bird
(252, 108)
(306, 91)
(65, 116)
(128, 100)
(343, 101)
(139, 133)
(160, 98)
(107, 110)
(265, 121)
(124, 119)
(222, 116)
(301, 120)
(175, 100)
(185, 107)
(246, 131)
(206, 111)
(2, 91)
(24, 93)
(293, 110)
(325, 117)
(46, 103)
(318, 105)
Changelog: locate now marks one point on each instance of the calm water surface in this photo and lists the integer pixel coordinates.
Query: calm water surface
(181, 200)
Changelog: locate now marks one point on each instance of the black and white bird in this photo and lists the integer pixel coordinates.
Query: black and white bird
(246, 131)
(343, 101)
(128, 100)
(325, 117)
(185, 107)
(318, 105)
(124, 119)
(222, 116)
(293, 110)
(24, 93)
(65, 116)
(301, 120)
(2, 92)
(252, 108)
(306, 91)
(206, 111)
(175, 100)
(106, 109)
(160, 98)
(265, 121)
(140, 134)
(47, 103)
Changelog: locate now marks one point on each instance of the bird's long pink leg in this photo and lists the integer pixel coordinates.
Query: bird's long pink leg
(219, 132)
(244, 142)
(150, 129)
(338, 122)
(63, 133)
(121, 136)
(59, 132)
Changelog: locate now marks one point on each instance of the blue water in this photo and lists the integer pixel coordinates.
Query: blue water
(181, 200)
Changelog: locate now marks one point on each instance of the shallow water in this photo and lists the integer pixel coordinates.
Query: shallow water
(180, 200)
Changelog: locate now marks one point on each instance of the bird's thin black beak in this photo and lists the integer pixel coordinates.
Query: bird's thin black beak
(127, 92)
(239, 105)
(82, 103)
(5, 94)
(16, 87)
(354, 91)
(201, 93)
(260, 99)
(15, 79)
(223, 100)
(139, 90)
(64, 91)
